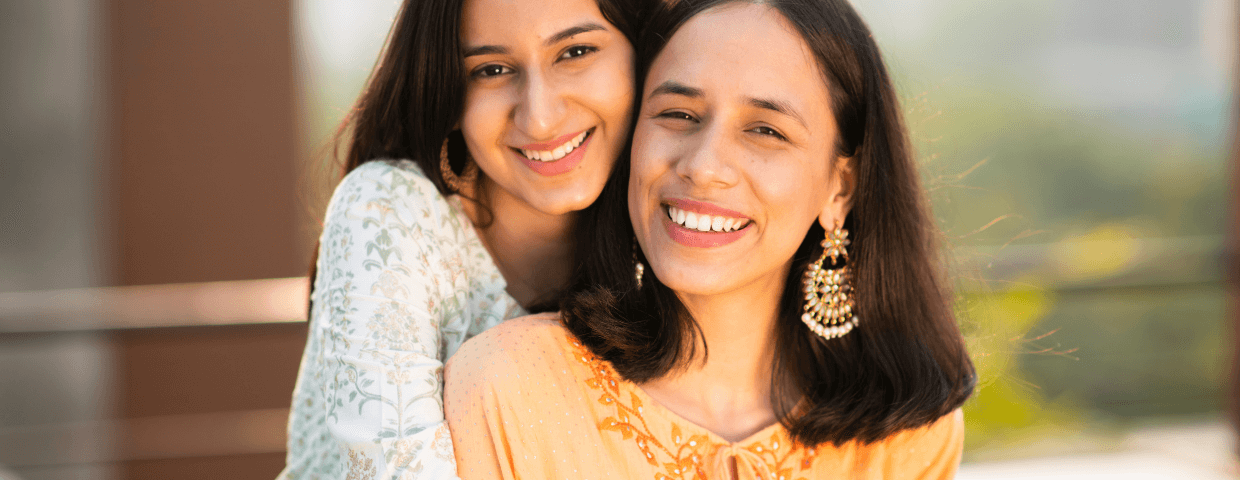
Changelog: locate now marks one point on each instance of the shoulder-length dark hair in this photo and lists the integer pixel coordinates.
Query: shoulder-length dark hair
(416, 93)
(905, 365)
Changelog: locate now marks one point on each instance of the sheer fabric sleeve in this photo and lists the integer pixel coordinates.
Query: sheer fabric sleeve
(387, 300)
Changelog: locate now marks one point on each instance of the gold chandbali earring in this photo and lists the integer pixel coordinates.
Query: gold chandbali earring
(638, 268)
(454, 181)
(828, 291)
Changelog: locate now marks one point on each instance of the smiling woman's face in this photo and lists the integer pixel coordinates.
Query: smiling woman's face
(548, 98)
(736, 129)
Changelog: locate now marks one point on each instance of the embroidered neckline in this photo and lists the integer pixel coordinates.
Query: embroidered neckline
(687, 457)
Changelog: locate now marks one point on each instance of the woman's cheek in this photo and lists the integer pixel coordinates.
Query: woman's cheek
(484, 116)
(613, 86)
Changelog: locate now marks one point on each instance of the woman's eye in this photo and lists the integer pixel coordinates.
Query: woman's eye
(677, 115)
(492, 70)
(769, 132)
(577, 51)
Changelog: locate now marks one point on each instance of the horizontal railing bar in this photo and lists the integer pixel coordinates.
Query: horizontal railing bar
(283, 300)
(146, 438)
(276, 300)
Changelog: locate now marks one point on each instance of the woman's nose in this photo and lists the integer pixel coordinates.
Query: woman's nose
(709, 162)
(540, 109)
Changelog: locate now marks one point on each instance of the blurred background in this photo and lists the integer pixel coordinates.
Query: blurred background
(163, 166)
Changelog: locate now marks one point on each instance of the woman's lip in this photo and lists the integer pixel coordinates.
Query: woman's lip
(703, 207)
(700, 239)
(551, 145)
(563, 165)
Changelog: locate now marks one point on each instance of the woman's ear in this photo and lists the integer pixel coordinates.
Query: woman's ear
(843, 181)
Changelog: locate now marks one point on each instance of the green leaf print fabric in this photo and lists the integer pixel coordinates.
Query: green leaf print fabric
(403, 281)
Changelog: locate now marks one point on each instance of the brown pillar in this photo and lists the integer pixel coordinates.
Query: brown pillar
(202, 141)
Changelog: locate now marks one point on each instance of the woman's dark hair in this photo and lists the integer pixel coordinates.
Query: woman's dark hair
(416, 93)
(905, 366)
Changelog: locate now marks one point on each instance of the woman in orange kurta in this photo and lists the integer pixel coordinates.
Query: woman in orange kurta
(792, 323)
(527, 400)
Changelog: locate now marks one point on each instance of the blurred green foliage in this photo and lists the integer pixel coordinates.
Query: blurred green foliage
(1083, 235)
(1116, 313)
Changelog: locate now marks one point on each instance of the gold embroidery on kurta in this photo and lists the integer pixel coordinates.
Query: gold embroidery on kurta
(685, 458)
(361, 467)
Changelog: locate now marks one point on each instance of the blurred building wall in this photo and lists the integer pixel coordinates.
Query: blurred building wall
(50, 148)
(202, 133)
(147, 143)
(52, 187)
(203, 164)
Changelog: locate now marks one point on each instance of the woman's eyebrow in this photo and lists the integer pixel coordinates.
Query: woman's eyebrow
(671, 87)
(554, 39)
(485, 50)
(777, 106)
(571, 31)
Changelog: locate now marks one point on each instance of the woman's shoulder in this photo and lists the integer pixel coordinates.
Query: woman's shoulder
(516, 348)
(931, 451)
(521, 338)
(403, 177)
(397, 195)
(384, 166)
(947, 429)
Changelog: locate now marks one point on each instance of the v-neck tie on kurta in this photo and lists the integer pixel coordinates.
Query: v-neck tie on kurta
(749, 465)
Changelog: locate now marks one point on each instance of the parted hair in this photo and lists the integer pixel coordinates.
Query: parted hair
(905, 365)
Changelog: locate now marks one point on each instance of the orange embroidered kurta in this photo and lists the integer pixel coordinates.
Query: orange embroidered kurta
(526, 400)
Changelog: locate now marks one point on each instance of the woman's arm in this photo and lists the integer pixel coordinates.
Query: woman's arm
(388, 290)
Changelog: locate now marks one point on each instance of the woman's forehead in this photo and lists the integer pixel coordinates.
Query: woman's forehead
(744, 50)
(533, 21)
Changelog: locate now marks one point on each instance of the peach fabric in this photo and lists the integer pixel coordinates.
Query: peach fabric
(526, 400)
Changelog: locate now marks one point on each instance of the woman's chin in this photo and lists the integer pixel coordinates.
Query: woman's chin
(698, 280)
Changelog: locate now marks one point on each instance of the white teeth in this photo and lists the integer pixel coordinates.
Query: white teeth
(558, 153)
(703, 222)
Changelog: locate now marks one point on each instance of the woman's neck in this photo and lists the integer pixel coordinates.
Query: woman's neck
(729, 393)
(532, 249)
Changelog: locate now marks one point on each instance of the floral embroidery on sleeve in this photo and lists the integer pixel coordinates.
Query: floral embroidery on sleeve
(402, 281)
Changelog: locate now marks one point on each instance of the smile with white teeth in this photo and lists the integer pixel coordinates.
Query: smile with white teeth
(559, 152)
(705, 223)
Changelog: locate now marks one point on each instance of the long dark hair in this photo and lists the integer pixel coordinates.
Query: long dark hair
(905, 366)
(416, 93)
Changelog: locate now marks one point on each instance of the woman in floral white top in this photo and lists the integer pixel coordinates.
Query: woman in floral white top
(486, 129)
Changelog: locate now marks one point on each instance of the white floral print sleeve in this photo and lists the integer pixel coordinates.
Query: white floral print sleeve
(402, 281)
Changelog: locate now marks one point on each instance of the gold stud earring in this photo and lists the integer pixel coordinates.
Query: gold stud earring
(829, 306)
